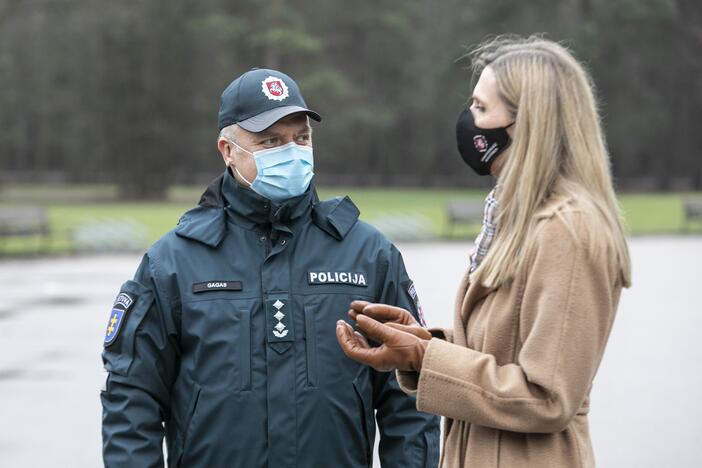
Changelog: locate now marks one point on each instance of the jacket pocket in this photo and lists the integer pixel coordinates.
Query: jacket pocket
(219, 331)
(187, 426)
(311, 345)
(245, 348)
(360, 385)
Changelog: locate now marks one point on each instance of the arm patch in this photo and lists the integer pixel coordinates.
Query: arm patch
(412, 291)
(118, 315)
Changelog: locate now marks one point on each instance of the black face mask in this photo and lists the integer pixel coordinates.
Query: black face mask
(479, 147)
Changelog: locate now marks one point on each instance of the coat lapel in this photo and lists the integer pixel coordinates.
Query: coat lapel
(459, 328)
(469, 294)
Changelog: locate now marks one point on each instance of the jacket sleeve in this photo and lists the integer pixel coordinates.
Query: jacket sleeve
(408, 437)
(140, 363)
(567, 310)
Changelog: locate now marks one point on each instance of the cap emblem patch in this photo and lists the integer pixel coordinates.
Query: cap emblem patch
(480, 143)
(274, 88)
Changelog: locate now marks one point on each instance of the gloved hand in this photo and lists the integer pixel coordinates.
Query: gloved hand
(398, 349)
(395, 317)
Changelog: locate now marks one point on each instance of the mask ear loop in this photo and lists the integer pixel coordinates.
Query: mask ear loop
(235, 168)
(242, 177)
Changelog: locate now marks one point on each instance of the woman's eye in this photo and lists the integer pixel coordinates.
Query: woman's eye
(475, 105)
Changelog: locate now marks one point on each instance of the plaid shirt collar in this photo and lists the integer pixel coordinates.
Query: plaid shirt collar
(487, 231)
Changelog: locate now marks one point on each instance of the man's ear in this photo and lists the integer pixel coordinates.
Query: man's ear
(226, 150)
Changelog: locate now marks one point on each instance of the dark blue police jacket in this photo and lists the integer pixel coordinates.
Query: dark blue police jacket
(225, 343)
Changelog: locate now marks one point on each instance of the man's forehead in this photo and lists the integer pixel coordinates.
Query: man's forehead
(298, 118)
(297, 122)
(294, 122)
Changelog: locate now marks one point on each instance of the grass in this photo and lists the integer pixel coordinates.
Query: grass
(655, 213)
(645, 214)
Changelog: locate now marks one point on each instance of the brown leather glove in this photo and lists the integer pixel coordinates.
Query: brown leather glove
(398, 349)
(395, 317)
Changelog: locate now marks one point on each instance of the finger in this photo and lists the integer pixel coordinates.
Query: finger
(345, 337)
(402, 327)
(359, 338)
(349, 344)
(388, 313)
(350, 329)
(356, 308)
(358, 305)
(415, 330)
(373, 329)
(362, 340)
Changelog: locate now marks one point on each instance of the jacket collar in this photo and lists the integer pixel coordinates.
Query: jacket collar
(225, 200)
(557, 202)
(249, 209)
(470, 293)
(207, 222)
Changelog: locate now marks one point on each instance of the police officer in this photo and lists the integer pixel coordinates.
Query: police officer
(223, 341)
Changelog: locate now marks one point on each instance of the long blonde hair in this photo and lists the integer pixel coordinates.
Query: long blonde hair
(558, 143)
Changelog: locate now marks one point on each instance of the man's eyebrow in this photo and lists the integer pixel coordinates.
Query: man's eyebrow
(267, 133)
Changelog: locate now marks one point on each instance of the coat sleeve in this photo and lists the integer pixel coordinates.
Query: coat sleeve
(140, 363)
(565, 318)
(408, 438)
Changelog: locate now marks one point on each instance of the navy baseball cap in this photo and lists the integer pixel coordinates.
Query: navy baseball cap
(259, 98)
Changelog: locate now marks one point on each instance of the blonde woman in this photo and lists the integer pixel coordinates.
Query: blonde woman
(536, 306)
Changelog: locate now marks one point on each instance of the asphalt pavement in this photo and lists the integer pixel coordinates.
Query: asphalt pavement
(646, 409)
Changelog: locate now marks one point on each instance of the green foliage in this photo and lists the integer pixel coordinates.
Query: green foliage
(129, 92)
(219, 27)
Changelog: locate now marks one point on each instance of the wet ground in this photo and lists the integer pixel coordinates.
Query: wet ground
(646, 409)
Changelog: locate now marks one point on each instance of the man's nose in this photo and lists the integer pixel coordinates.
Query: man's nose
(287, 139)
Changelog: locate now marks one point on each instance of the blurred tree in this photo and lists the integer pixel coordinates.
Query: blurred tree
(685, 103)
(128, 93)
(145, 93)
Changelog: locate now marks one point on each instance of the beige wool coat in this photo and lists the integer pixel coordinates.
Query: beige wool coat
(514, 374)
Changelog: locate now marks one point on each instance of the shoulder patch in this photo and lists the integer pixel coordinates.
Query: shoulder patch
(118, 315)
(412, 291)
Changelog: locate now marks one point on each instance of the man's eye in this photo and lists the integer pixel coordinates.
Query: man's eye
(269, 141)
(303, 138)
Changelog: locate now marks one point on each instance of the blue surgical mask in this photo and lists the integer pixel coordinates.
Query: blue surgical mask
(283, 172)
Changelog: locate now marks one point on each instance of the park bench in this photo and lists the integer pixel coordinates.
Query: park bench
(693, 211)
(23, 221)
(463, 212)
